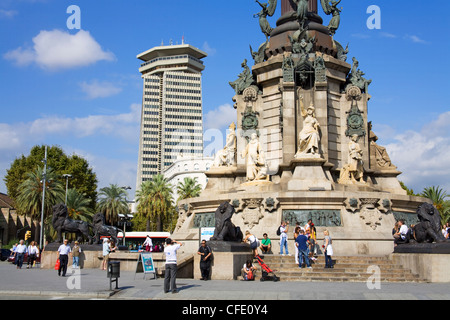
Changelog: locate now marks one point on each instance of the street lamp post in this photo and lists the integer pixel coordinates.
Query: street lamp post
(41, 239)
(67, 176)
(126, 217)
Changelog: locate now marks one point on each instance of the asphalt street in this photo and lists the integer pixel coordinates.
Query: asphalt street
(94, 284)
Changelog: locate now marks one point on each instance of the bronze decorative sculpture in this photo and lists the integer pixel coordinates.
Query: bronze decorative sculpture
(100, 229)
(225, 229)
(62, 223)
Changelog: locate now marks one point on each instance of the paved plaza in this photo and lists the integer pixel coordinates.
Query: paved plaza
(94, 284)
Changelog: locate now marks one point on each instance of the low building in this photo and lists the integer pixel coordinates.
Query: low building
(188, 167)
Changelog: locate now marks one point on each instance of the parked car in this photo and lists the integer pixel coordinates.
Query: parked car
(5, 253)
(11, 258)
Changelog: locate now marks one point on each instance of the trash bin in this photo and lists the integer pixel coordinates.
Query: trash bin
(113, 269)
(113, 272)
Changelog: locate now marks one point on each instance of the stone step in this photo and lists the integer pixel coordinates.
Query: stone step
(346, 268)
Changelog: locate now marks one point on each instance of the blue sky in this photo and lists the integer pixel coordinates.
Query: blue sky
(81, 89)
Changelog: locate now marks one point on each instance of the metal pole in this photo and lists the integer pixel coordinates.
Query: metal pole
(67, 176)
(41, 239)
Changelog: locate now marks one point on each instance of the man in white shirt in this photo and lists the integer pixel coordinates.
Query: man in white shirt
(19, 254)
(170, 274)
(403, 231)
(64, 251)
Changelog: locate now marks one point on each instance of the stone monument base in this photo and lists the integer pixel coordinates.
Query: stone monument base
(429, 248)
(224, 266)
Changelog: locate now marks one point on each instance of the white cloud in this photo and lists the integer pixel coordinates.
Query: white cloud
(56, 50)
(207, 48)
(7, 13)
(96, 89)
(416, 39)
(424, 156)
(220, 118)
(18, 138)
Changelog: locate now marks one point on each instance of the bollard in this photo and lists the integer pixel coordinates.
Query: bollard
(113, 272)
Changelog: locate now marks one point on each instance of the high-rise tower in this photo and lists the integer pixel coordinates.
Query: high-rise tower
(171, 117)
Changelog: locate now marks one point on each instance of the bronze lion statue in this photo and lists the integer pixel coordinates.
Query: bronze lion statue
(101, 229)
(225, 229)
(62, 223)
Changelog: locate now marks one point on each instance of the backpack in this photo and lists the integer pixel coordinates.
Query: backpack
(279, 231)
(250, 275)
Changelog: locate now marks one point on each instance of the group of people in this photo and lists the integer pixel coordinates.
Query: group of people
(402, 233)
(20, 249)
(305, 240)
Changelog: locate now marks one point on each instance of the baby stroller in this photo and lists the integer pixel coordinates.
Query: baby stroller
(266, 270)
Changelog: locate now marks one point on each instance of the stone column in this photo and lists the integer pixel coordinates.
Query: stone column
(286, 6)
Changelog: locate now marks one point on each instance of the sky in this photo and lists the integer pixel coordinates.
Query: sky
(78, 86)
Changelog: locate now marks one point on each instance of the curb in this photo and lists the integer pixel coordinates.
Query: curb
(97, 295)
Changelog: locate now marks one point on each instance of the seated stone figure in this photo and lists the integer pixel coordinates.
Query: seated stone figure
(225, 229)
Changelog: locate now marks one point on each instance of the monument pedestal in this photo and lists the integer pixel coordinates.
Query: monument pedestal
(309, 175)
(228, 260)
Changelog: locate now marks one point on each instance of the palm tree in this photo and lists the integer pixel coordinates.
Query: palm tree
(29, 199)
(189, 188)
(112, 201)
(438, 195)
(78, 206)
(155, 201)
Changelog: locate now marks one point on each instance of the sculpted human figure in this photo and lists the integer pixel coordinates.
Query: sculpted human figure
(355, 162)
(254, 157)
(226, 156)
(309, 136)
(354, 171)
(302, 11)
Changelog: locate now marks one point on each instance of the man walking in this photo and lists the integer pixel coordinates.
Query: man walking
(19, 254)
(170, 275)
(64, 251)
(205, 260)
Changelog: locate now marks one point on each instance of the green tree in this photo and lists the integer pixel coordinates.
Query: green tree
(438, 196)
(111, 202)
(409, 192)
(83, 179)
(189, 188)
(78, 206)
(29, 197)
(155, 203)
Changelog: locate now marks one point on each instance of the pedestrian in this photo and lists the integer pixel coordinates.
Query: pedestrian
(205, 253)
(19, 254)
(266, 244)
(302, 244)
(76, 250)
(296, 234)
(401, 234)
(328, 249)
(148, 244)
(253, 242)
(248, 271)
(106, 251)
(33, 254)
(284, 228)
(170, 274)
(64, 251)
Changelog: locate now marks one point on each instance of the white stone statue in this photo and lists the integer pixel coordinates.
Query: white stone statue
(256, 166)
(227, 156)
(309, 137)
(354, 170)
